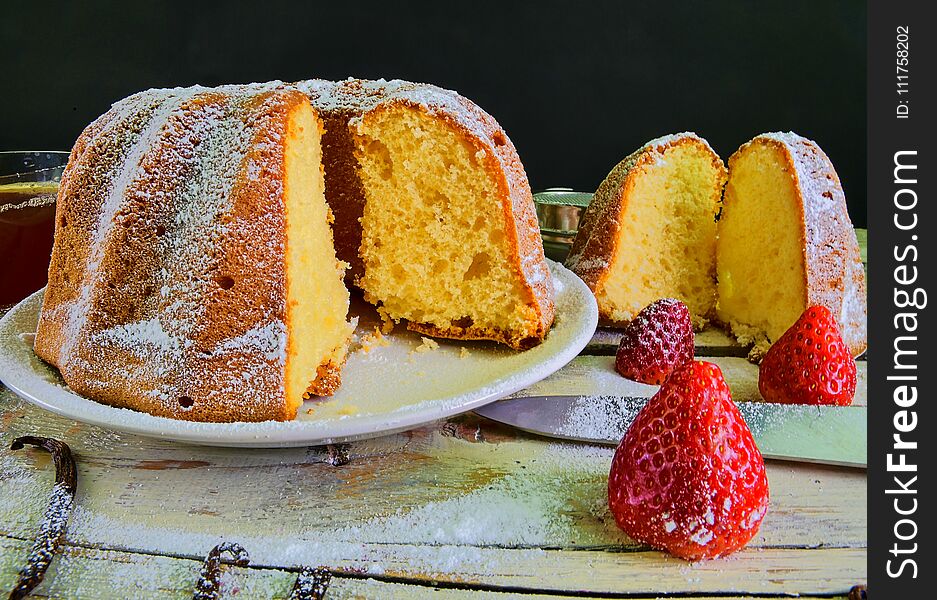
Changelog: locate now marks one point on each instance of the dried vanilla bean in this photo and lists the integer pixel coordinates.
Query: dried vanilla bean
(209, 582)
(311, 584)
(859, 592)
(338, 454)
(55, 520)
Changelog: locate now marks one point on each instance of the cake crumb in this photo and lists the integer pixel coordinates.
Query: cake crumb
(427, 345)
(464, 352)
(349, 410)
(309, 411)
(369, 341)
(387, 322)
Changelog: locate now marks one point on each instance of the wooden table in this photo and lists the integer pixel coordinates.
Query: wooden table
(459, 507)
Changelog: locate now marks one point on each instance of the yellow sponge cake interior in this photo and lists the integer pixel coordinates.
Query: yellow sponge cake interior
(317, 300)
(760, 252)
(785, 243)
(438, 248)
(650, 232)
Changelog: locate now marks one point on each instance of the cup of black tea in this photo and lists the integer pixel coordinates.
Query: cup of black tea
(29, 183)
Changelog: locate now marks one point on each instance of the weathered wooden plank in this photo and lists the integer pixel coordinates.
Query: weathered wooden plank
(468, 483)
(596, 375)
(78, 573)
(769, 571)
(89, 572)
(712, 341)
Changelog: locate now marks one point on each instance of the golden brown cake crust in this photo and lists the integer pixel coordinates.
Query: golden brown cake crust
(356, 99)
(328, 379)
(167, 284)
(834, 276)
(597, 239)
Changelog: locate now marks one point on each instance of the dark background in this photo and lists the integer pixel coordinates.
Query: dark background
(577, 86)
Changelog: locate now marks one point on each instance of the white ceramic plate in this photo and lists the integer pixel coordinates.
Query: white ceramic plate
(389, 388)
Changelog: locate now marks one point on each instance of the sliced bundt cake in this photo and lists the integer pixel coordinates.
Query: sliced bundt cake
(433, 211)
(785, 243)
(650, 231)
(193, 273)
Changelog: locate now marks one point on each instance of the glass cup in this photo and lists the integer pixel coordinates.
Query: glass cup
(29, 183)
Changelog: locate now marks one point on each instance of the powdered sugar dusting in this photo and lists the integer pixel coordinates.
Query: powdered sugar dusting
(141, 336)
(361, 95)
(268, 339)
(129, 110)
(658, 145)
(177, 177)
(601, 417)
(578, 262)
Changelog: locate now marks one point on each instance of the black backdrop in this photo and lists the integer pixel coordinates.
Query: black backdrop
(576, 85)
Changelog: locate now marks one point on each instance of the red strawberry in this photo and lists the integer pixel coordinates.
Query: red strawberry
(687, 477)
(656, 341)
(809, 364)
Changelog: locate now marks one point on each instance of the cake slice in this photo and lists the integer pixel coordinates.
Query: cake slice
(433, 211)
(786, 243)
(650, 231)
(193, 274)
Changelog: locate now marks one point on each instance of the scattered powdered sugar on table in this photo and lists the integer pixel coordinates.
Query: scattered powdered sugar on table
(16, 479)
(447, 536)
(506, 513)
(297, 549)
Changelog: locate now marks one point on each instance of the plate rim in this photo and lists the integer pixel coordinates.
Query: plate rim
(25, 382)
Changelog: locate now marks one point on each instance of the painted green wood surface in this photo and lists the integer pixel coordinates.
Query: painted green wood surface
(86, 573)
(466, 504)
(596, 375)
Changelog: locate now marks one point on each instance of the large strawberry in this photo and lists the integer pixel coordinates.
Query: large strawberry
(687, 477)
(656, 341)
(809, 364)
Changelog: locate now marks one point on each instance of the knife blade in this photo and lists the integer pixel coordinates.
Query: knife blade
(831, 435)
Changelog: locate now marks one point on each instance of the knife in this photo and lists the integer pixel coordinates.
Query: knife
(829, 435)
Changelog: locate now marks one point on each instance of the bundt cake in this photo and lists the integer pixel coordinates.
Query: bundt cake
(786, 243)
(433, 211)
(193, 273)
(650, 231)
